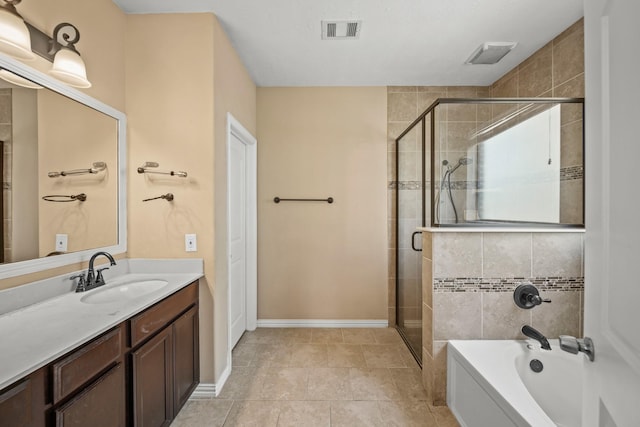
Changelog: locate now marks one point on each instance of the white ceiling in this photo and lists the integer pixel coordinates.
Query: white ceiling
(402, 42)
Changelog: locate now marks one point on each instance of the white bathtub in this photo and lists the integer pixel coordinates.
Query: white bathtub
(490, 384)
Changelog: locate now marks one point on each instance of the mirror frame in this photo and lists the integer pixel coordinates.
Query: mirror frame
(40, 264)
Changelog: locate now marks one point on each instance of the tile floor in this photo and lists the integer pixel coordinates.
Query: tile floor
(319, 377)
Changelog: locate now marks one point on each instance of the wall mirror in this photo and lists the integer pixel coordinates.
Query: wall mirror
(63, 174)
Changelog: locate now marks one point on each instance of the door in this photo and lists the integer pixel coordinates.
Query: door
(612, 249)
(237, 237)
(410, 214)
(186, 357)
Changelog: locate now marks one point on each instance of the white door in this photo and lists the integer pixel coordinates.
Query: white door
(237, 238)
(612, 288)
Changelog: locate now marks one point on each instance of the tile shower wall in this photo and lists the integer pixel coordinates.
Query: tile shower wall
(557, 70)
(404, 104)
(468, 283)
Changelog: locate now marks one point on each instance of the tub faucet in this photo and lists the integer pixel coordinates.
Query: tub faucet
(536, 335)
(95, 280)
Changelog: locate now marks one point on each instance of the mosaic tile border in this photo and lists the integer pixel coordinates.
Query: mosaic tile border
(479, 284)
(569, 173)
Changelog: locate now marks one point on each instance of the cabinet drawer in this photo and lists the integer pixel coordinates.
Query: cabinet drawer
(157, 317)
(85, 363)
(15, 405)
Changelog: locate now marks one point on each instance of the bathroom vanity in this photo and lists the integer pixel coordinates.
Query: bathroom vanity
(118, 361)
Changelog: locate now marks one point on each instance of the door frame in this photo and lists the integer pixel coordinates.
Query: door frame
(235, 128)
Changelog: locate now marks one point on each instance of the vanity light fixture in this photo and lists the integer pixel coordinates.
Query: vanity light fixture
(21, 40)
(15, 39)
(10, 77)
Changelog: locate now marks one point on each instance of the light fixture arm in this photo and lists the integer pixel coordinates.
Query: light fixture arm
(70, 36)
(10, 6)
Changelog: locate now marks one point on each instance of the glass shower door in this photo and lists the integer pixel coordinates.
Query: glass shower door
(410, 214)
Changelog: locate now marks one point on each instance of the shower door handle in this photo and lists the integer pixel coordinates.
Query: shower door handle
(413, 243)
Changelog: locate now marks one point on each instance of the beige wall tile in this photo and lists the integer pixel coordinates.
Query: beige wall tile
(506, 255)
(427, 328)
(397, 89)
(571, 202)
(573, 88)
(427, 282)
(401, 107)
(457, 315)
(506, 86)
(460, 136)
(571, 144)
(560, 317)
(425, 99)
(557, 255)
(394, 129)
(535, 74)
(568, 57)
(427, 374)
(439, 392)
(457, 255)
(427, 245)
(461, 112)
(502, 319)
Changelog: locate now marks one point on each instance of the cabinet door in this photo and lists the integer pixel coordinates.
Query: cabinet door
(15, 405)
(102, 404)
(186, 357)
(152, 382)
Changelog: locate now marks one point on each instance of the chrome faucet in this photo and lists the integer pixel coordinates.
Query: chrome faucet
(93, 280)
(574, 345)
(536, 335)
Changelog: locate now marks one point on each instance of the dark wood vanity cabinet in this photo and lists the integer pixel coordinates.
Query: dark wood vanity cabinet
(166, 367)
(139, 373)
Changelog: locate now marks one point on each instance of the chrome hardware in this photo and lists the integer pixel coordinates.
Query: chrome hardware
(527, 296)
(574, 345)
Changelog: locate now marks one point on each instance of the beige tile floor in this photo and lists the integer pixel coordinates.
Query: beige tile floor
(319, 377)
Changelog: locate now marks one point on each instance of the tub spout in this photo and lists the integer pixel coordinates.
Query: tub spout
(536, 335)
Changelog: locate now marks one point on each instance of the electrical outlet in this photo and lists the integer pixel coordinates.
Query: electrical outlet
(61, 242)
(190, 243)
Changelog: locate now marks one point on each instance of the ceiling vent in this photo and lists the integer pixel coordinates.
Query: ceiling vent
(490, 52)
(341, 30)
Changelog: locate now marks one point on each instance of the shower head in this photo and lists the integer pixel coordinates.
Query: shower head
(462, 161)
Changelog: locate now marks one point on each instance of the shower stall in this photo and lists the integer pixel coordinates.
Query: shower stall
(498, 162)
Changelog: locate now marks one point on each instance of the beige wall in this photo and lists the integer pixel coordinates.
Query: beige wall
(102, 45)
(235, 93)
(319, 260)
(181, 124)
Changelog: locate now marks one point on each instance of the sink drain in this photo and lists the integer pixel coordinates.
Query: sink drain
(536, 365)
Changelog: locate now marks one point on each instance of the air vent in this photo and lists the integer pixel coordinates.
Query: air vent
(341, 30)
(490, 52)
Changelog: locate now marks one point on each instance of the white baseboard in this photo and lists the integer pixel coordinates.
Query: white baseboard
(208, 390)
(204, 391)
(314, 323)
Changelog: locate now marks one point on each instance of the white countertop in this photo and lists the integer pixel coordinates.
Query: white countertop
(33, 335)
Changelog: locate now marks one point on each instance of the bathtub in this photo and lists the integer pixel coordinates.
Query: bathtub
(491, 384)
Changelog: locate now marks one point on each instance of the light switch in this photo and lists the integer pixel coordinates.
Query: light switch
(61, 242)
(190, 243)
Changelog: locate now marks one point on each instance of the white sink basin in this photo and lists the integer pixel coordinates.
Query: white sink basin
(123, 291)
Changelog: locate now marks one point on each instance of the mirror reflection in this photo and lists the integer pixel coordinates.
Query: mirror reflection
(61, 150)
